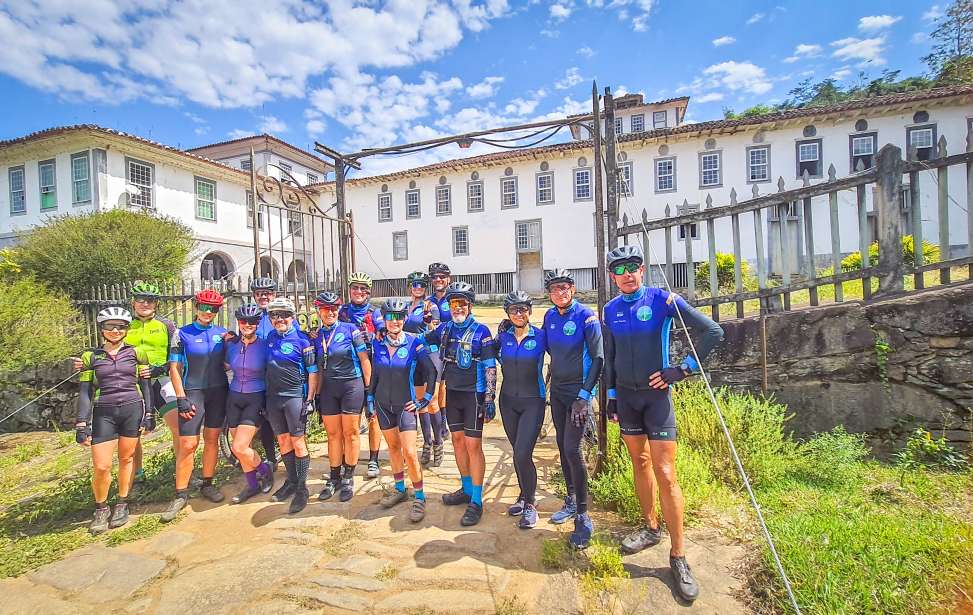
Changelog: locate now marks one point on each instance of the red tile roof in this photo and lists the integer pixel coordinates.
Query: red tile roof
(258, 137)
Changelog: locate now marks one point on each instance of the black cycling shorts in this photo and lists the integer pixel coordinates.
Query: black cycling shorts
(341, 397)
(646, 413)
(111, 421)
(463, 412)
(244, 409)
(395, 417)
(210, 410)
(287, 415)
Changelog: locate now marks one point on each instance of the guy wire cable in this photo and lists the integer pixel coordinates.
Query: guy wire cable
(726, 431)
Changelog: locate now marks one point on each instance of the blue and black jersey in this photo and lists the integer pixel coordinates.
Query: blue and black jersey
(522, 363)
(337, 349)
(414, 322)
(443, 305)
(366, 317)
(248, 364)
(395, 370)
(201, 352)
(574, 341)
(637, 330)
(467, 351)
(266, 326)
(290, 358)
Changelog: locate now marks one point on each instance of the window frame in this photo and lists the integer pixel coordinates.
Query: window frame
(197, 180)
(465, 229)
(911, 130)
(665, 119)
(538, 189)
(590, 184)
(23, 189)
(151, 186)
(655, 174)
(285, 166)
(631, 180)
(820, 160)
(690, 208)
(749, 163)
(418, 193)
(382, 195)
(641, 117)
(405, 236)
(449, 199)
(526, 225)
(86, 156)
(619, 126)
(245, 164)
(297, 230)
(504, 182)
(260, 212)
(52, 186)
(312, 181)
(719, 169)
(873, 138)
(469, 197)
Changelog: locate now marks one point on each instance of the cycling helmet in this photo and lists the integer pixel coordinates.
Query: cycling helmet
(517, 297)
(208, 296)
(418, 276)
(555, 276)
(145, 289)
(360, 277)
(394, 306)
(624, 254)
(249, 311)
(281, 304)
(438, 268)
(263, 284)
(460, 290)
(114, 313)
(327, 298)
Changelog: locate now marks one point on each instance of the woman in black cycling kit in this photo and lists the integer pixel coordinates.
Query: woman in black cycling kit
(422, 312)
(112, 410)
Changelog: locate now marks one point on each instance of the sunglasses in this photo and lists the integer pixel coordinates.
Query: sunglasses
(360, 288)
(209, 309)
(519, 310)
(145, 300)
(114, 327)
(328, 308)
(254, 322)
(559, 288)
(280, 315)
(418, 285)
(395, 316)
(461, 303)
(625, 268)
(439, 277)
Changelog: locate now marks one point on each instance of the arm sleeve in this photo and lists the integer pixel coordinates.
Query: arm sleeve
(85, 390)
(310, 359)
(176, 351)
(488, 350)
(593, 342)
(608, 379)
(145, 384)
(708, 332)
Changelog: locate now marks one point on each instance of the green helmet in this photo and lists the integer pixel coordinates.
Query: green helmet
(145, 289)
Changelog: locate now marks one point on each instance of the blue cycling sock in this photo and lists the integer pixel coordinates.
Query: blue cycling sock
(420, 493)
(476, 494)
(467, 484)
(399, 482)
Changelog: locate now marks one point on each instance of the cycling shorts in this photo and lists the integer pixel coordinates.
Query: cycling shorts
(244, 409)
(287, 415)
(163, 395)
(646, 413)
(463, 413)
(395, 417)
(210, 410)
(114, 420)
(341, 397)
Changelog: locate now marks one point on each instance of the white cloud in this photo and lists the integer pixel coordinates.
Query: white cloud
(919, 38)
(934, 13)
(271, 125)
(841, 73)
(710, 97)
(201, 130)
(755, 18)
(586, 52)
(635, 12)
(484, 89)
(803, 51)
(550, 33)
(560, 12)
(572, 77)
(873, 23)
(239, 133)
(868, 50)
(195, 119)
(315, 128)
(723, 40)
(744, 76)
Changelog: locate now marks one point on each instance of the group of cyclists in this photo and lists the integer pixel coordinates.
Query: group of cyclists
(420, 363)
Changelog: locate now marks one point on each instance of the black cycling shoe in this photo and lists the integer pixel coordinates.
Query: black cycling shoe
(266, 482)
(299, 501)
(329, 490)
(685, 582)
(211, 493)
(472, 515)
(245, 495)
(456, 498)
(347, 489)
(643, 538)
(286, 491)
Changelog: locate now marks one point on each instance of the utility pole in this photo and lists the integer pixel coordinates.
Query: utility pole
(600, 266)
(346, 238)
(258, 269)
(611, 169)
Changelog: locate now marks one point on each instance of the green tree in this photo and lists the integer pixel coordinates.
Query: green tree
(952, 37)
(754, 111)
(37, 325)
(74, 253)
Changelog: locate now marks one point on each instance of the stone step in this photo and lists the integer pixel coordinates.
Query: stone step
(341, 581)
(359, 564)
(465, 571)
(438, 601)
(344, 600)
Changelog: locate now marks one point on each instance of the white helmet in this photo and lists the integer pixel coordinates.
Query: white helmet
(114, 313)
(281, 304)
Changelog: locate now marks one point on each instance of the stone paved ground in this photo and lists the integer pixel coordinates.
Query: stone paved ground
(359, 557)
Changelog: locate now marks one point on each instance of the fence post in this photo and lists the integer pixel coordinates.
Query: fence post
(890, 264)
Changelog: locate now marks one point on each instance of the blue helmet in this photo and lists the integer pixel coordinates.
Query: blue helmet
(249, 311)
(624, 254)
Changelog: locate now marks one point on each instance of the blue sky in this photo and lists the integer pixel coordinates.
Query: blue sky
(372, 73)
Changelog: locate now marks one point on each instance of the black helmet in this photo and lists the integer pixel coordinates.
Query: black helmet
(557, 275)
(327, 298)
(517, 297)
(249, 311)
(438, 268)
(394, 306)
(460, 290)
(418, 276)
(263, 284)
(624, 254)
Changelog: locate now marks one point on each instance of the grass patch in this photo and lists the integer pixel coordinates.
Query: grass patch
(511, 606)
(555, 554)
(345, 536)
(387, 573)
(147, 525)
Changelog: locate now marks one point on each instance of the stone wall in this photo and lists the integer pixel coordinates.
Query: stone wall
(56, 408)
(830, 366)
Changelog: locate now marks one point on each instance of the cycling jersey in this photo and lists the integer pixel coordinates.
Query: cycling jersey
(366, 317)
(339, 361)
(154, 336)
(395, 370)
(637, 329)
(522, 362)
(290, 358)
(574, 341)
(415, 322)
(266, 326)
(201, 351)
(248, 363)
(467, 350)
(115, 379)
(443, 305)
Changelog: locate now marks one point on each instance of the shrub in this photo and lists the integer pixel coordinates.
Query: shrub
(922, 451)
(724, 274)
(75, 253)
(37, 325)
(930, 254)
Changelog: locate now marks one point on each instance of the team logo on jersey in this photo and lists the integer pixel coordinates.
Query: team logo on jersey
(531, 344)
(287, 348)
(569, 327)
(217, 338)
(643, 313)
(402, 352)
(417, 311)
(339, 337)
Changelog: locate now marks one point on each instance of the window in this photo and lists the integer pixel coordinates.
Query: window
(545, 188)
(710, 173)
(260, 214)
(139, 175)
(474, 196)
(295, 223)
(205, 199)
(582, 184)
(284, 170)
(638, 123)
(444, 200)
(18, 199)
(682, 210)
(758, 164)
(245, 164)
(809, 158)
(508, 192)
(659, 119)
(461, 241)
(665, 174)
(48, 182)
(923, 139)
(619, 125)
(862, 148)
(624, 179)
(400, 246)
(528, 236)
(80, 178)
(384, 207)
(412, 206)
(312, 178)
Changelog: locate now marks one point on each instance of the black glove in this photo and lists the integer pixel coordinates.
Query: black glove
(148, 422)
(488, 410)
(82, 433)
(611, 410)
(230, 336)
(369, 406)
(160, 370)
(183, 405)
(422, 402)
(669, 375)
(504, 325)
(308, 409)
(579, 411)
(427, 317)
